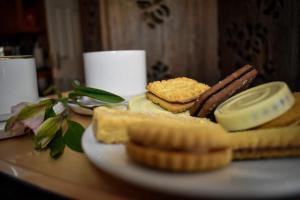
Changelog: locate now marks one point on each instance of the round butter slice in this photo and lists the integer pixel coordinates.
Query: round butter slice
(255, 106)
(142, 104)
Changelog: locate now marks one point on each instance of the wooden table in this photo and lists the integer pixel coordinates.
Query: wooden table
(72, 175)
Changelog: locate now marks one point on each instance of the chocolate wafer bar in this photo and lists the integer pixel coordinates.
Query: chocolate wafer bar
(206, 103)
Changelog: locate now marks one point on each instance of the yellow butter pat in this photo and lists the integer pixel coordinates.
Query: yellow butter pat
(255, 106)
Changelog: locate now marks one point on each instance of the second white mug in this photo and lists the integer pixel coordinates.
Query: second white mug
(120, 72)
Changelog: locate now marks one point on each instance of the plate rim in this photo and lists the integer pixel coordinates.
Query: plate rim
(238, 194)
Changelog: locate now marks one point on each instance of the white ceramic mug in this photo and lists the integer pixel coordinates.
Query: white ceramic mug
(18, 82)
(120, 72)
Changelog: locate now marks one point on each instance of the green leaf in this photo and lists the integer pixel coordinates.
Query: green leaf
(51, 89)
(47, 103)
(76, 83)
(78, 87)
(49, 113)
(57, 145)
(101, 97)
(97, 93)
(64, 101)
(35, 109)
(47, 131)
(73, 136)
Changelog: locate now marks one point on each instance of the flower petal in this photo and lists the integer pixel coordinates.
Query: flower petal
(34, 122)
(17, 129)
(17, 108)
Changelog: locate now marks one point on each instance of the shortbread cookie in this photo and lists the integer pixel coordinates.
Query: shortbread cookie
(172, 107)
(110, 126)
(180, 90)
(266, 143)
(179, 146)
(291, 117)
(232, 84)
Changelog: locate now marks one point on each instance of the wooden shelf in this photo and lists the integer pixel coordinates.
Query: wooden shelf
(22, 16)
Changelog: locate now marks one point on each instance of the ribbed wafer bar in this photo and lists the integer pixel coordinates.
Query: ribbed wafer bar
(266, 143)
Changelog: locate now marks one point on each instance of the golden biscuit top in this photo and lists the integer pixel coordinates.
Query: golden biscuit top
(179, 135)
(180, 89)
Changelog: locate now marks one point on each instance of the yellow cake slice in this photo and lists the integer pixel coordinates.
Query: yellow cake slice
(110, 126)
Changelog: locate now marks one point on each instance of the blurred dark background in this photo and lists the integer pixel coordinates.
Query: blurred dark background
(202, 39)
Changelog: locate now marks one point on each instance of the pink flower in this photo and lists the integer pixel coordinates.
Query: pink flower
(27, 116)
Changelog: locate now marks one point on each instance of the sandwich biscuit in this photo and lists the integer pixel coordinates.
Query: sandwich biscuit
(172, 107)
(177, 90)
(142, 104)
(181, 147)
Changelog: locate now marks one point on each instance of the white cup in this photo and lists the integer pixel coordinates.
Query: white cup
(18, 82)
(120, 72)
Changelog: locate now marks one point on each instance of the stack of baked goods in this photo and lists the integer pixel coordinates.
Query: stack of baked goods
(260, 122)
(165, 141)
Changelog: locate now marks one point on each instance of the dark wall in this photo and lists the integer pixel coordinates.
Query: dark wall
(265, 33)
(180, 37)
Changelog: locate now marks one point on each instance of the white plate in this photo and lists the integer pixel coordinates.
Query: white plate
(250, 179)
